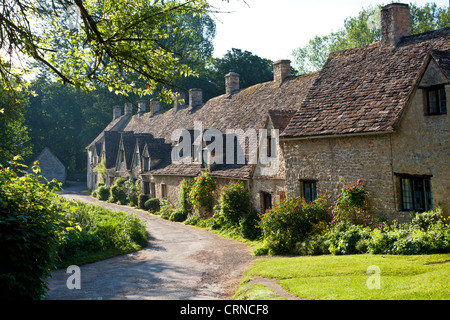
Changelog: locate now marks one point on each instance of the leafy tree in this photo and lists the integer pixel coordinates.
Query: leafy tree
(251, 68)
(103, 40)
(363, 30)
(13, 133)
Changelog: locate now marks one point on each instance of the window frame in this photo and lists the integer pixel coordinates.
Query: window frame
(163, 190)
(313, 195)
(409, 186)
(436, 90)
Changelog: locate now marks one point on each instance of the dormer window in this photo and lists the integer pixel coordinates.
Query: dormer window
(137, 161)
(436, 100)
(146, 163)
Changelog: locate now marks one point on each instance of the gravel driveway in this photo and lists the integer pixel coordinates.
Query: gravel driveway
(180, 262)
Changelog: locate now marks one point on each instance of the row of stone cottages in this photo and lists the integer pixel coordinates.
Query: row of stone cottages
(376, 113)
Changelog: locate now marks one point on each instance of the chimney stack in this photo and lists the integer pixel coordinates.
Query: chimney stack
(195, 98)
(154, 106)
(281, 70)
(180, 101)
(117, 112)
(128, 109)
(231, 83)
(395, 23)
(141, 108)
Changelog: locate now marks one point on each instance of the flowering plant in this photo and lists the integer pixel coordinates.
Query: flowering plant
(351, 203)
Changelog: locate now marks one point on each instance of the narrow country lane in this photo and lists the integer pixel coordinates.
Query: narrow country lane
(180, 262)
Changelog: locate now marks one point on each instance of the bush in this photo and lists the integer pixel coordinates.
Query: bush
(428, 233)
(103, 193)
(351, 203)
(287, 224)
(249, 226)
(32, 224)
(117, 194)
(185, 203)
(101, 230)
(152, 205)
(178, 216)
(235, 202)
(201, 192)
(141, 200)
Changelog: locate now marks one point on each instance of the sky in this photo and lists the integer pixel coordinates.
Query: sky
(273, 28)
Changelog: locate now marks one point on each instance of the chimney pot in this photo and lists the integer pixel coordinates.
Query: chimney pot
(395, 23)
(281, 70)
(128, 109)
(231, 83)
(195, 98)
(141, 108)
(117, 112)
(154, 106)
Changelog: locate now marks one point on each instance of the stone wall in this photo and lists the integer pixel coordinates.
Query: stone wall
(420, 146)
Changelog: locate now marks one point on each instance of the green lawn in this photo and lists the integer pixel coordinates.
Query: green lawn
(425, 277)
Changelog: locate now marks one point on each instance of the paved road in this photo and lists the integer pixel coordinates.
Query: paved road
(180, 262)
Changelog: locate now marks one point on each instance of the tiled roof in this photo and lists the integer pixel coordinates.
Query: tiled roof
(247, 109)
(364, 90)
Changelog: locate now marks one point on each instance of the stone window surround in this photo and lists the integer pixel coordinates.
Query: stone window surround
(401, 177)
(426, 101)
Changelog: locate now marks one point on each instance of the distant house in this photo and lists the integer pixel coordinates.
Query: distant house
(51, 167)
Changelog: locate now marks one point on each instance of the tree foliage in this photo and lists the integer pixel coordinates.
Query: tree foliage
(81, 41)
(32, 224)
(363, 30)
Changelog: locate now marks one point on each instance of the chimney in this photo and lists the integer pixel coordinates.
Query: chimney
(141, 108)
(395, 23)
(117, 112)
(281, 70)
(154, 106)
(231, 83)
(128, 109)
(195, 98)
(180, 101)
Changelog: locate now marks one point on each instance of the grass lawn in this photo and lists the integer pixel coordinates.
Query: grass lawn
(424, 277)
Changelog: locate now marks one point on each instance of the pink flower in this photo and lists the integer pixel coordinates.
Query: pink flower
(359, 181)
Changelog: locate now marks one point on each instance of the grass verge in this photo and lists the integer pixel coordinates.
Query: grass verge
(423, 277)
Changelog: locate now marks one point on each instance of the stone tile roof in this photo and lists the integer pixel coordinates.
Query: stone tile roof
(247, 109)
(364, 90)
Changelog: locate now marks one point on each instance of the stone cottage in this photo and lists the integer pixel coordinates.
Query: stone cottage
(378, 113)
(140, 146)
(51, 167)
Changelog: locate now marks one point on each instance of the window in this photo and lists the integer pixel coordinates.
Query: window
(266, 201)
(416, 193)
(152, 190)
(309, 190)
(137, 161)
(436, 100)
(146, 163)
(146, 187)
(163, 190)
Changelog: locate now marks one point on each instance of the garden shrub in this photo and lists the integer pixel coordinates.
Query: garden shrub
(132, 189)
(185, 203)
(117, 194)
(235, 202)
(249, 226)
(347, 238)
(201, 192)
(351, 203)
(178, 216)
(103, 193)
(32, 224)
(152, 205)
(142, 198)
(286, 224)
